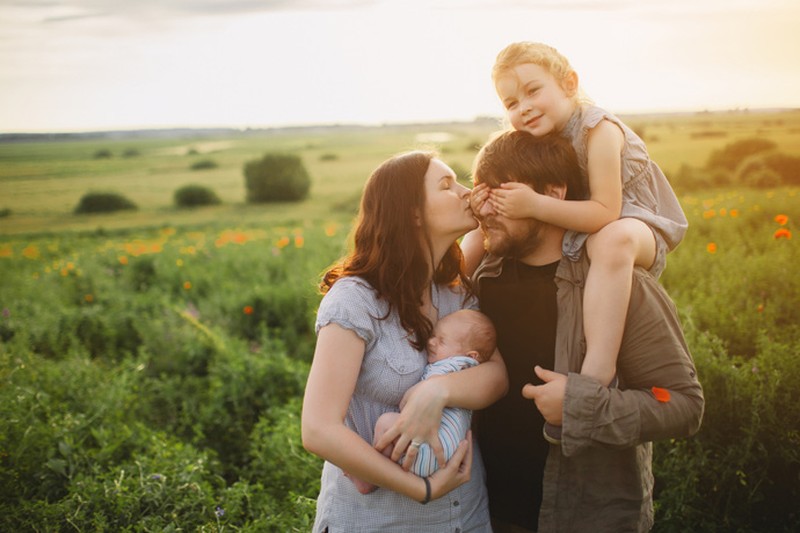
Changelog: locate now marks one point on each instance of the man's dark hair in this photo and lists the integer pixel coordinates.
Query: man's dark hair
(535, 161)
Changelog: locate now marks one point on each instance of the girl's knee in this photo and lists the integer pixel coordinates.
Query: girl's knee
(624, 241)
(616, 241)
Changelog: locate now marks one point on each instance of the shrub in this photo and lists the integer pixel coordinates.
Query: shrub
(276, 178)
(103, 153)
(204, 164)
(733, 154)
(328, 157)
(769, 169)
(195, 195)
(689, 178)
(131, 152)
(5, 212)
(103, 202)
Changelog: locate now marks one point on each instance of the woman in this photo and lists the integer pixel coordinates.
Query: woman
(381, 303)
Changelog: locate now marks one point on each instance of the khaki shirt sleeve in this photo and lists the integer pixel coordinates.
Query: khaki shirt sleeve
(653, 354)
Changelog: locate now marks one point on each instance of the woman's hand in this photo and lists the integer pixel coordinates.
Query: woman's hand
(419, 421)
(456, 472)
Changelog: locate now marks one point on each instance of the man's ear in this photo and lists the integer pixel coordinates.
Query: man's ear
(570, 84)
(558, 192)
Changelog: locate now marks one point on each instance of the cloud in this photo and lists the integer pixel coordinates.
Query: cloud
(70, 10)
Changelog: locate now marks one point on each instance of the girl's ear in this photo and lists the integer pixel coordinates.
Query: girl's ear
(418, 218)
(570, 84)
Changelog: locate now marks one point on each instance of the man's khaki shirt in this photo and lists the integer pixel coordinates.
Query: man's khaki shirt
(600, 478)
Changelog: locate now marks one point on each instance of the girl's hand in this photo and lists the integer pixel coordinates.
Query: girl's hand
(514, 200)
(456, 472)
(478, 197)
(419, 421)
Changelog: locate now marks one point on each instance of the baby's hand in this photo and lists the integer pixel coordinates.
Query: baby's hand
(514, 200)
(478, 197)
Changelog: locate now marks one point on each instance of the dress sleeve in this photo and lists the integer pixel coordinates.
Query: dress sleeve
(352, 304)
(659, 395)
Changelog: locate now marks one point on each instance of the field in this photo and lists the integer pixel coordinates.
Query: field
(152, 361)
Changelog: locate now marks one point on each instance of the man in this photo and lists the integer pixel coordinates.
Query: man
(599, 478)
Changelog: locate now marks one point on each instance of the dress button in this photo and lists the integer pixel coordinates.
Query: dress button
(455, 503)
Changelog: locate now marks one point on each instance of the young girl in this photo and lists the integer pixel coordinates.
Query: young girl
(632, 216)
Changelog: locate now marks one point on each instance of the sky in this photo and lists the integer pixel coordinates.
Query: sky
(85, 65)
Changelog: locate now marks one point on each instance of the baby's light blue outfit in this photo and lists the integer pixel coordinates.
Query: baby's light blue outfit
(455, 420)
(389, 368)
(646, 192)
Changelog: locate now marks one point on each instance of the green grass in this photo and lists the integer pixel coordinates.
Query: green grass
(41, 182)
(152, 362)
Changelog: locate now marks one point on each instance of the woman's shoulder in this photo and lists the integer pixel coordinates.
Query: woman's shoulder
(351, 288)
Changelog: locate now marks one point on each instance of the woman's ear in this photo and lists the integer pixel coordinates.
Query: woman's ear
(418, 218)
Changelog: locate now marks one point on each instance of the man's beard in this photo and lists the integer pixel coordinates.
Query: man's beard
(499, 241)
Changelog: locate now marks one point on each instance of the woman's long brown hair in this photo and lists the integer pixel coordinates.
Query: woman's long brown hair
(387, 249)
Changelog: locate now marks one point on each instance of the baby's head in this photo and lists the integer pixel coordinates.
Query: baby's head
(547, 57)
(465, 332)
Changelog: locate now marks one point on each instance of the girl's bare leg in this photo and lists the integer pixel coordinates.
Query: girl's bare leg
(613, 252)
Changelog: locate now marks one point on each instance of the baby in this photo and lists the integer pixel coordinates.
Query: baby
(460, 340)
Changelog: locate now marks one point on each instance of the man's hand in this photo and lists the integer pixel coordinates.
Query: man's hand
(549, 397)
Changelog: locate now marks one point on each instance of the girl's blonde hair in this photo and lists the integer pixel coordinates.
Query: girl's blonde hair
(545, 56)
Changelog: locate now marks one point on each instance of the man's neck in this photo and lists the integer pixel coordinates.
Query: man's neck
(549, 248)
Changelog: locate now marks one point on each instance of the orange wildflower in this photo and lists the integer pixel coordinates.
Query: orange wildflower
(711, 247)
(783, 233)
(282, 242)
(299, 241)
(662, 395)
(709, 214)
(760, 308)
(248, 309)
(734, 213)
(123, 260)
(781, 219)
(31, 252)
(187, 285)
(89, 298)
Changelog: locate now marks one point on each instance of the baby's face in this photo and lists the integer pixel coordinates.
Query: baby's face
(447, 340)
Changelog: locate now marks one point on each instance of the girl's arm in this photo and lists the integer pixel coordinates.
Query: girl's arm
(330, 386)
(605, 142)
(422, 406)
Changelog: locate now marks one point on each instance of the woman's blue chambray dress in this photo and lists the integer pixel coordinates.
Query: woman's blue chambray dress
(390, 367)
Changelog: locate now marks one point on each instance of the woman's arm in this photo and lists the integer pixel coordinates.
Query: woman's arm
(330, 386)
(422, 406)
(472, 248)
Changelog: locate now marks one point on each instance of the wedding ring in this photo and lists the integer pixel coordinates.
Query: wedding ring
(415, 444)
